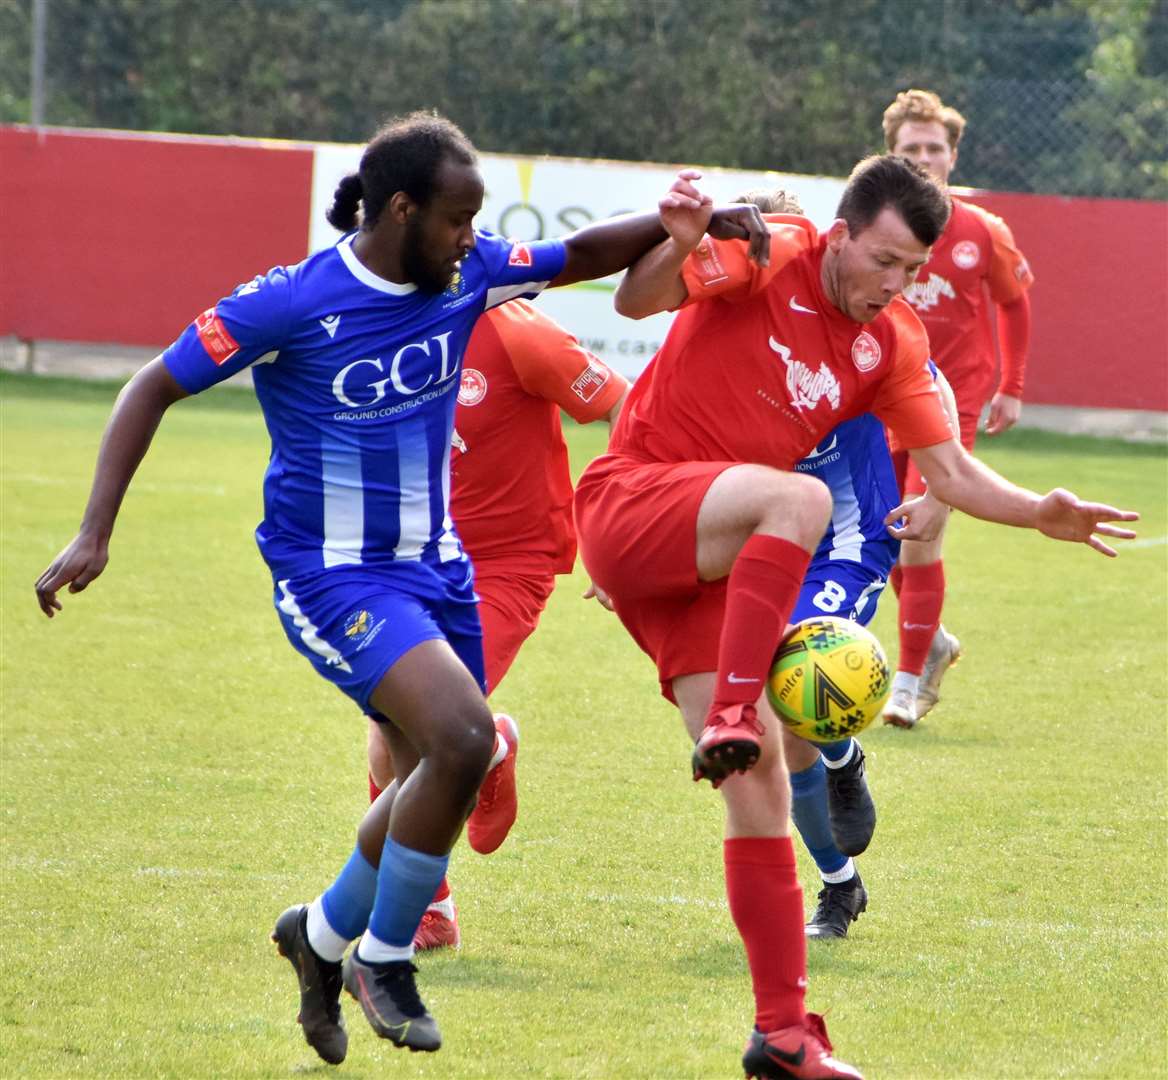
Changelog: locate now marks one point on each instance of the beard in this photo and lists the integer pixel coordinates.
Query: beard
(428, 274)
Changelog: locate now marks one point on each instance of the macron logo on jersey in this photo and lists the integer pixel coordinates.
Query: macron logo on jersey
(807, 387)
(215, 337)
(330, 324)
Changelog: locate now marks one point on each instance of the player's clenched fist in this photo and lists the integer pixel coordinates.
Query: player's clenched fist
(685, 210)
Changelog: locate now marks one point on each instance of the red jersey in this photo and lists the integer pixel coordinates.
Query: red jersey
(511, 492)
(975, 251)
(759, 365)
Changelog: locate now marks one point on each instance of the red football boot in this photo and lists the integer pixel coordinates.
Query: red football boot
(728, 743)
(498, 803)
(437, 931)
(802, 1051)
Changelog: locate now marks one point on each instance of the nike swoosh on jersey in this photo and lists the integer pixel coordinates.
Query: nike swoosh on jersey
(796, 306)
(735, 679)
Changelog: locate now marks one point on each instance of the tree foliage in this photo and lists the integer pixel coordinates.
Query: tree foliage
(1062, 95)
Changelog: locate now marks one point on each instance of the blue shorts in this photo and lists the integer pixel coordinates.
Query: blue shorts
(847, 589)
(354, 623)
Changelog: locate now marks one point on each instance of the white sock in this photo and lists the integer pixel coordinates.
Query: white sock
(324, 940)
(904, 680)
(372, 950)
(842, 761)
(500, 751)
(443, 907)
(838, 877)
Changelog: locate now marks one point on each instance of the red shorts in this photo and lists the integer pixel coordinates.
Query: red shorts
(637, 526)
(510, 604)
(908, 476)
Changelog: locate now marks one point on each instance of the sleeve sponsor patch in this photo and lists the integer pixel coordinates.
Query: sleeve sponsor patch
(590, 381)
(709, 266)
(215, 336)
(520, 255)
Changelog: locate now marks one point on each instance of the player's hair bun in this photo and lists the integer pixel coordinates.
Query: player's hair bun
(343, 213)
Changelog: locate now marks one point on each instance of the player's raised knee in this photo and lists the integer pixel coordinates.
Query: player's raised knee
(465, 753)
(799, 508)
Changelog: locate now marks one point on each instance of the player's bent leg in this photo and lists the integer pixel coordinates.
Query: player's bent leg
(438, 708)
(758, 526)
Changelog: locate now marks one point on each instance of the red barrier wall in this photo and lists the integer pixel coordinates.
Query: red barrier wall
(1099, 301)
(116, 237)
(122, 237)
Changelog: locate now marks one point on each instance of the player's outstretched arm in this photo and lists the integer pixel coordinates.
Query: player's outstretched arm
(131, 427)
(964, 482)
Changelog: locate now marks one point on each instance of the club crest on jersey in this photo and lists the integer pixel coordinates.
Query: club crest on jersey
(457, 285)
(357, 624)
(806, 386)
(966, 254)
(520, 255)
(215, 337)
(473, 387)
(925, 294)
(865, 351)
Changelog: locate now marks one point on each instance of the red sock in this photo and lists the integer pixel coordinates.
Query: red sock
(374, 790)
(896, 579)
(762, 590)
(443, 890)
(766, 903)
(922, 594)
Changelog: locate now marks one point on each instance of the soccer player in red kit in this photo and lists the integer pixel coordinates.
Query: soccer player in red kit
(511, 500)
(699, 532)
(974, 269)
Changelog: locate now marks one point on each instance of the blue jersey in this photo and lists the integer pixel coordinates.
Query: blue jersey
(357, 377)
(854, 462)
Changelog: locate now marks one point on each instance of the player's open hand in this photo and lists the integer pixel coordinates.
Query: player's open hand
(923, 518)
(1062, 515)
(1004, 413)
(685, 211)
(743, 222)
(76, 567)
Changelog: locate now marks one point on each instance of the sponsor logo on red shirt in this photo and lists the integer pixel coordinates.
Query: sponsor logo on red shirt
(966, 254)
(473, 387)
(925, 294)
(589, 381)
(520, 256)
(807, 386)
(865, 351)
(710, 269)
(215, 336)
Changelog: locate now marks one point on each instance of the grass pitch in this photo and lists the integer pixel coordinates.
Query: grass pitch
(173, 775)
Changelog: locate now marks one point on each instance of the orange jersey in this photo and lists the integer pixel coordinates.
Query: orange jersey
(759, 365)
(511, 492)
(975, 251)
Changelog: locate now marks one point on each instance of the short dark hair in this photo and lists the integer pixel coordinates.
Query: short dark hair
(884, 180)
(404, 155)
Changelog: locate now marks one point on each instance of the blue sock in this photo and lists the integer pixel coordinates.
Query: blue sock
(833, 751)
(348, 901)
(406, 884)
(809, 811)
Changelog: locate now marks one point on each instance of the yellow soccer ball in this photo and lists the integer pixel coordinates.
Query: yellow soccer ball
(830, 679)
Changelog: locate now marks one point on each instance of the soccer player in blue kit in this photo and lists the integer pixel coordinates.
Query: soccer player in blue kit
(370, 580)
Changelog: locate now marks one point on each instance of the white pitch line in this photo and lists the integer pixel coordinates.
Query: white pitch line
(1151, 541)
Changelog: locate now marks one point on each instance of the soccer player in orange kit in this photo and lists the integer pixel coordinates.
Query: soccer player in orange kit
(511, 500)
(975, 256)
(699, 531)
